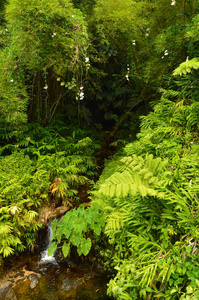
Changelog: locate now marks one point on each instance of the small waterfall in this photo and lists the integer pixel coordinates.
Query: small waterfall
(44, 254)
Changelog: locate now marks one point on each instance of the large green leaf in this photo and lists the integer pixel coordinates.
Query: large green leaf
(54, 224)
(67, 232)
(96, 228)
(52, 249)
(75, 239)
(85, 246)
(66, 249)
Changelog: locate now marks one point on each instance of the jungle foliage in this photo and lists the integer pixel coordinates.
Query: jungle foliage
(45, 163)
(69, 69)
(150, 200)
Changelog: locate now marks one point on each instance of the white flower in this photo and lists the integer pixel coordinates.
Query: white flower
(147, 32)
(80, 95)
(45, 87)
(11, 80)
(166, 52)
(187, 58)
(127, 77)
(54, 34)
(86, 59)
(81, 87)
(72, 16)
(133, 42)
(173, 2)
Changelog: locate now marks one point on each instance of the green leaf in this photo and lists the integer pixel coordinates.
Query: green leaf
(66, 249)
(75, 239)
(85, 245)
(96, 228)
(54, 224)
(7, 251)
(67, 232)
(189, 289)
(173, 291)
(52, 249)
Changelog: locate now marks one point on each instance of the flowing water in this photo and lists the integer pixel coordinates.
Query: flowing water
(44, 254)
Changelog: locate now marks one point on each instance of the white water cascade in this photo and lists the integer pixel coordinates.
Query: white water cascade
(44, 254)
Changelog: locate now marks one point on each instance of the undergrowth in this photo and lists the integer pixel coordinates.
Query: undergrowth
(45, 162)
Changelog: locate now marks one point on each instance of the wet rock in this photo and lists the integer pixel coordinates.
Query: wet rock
(49, 213)
(59, 211)
(10, 295)
(69, 284)
(5, 286)
(34, 280)
(43, 270)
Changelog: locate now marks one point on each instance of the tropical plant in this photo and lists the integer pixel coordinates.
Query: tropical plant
(152, 226)
(150, 200)
(76, 228)
(40, 164)
(22, 189)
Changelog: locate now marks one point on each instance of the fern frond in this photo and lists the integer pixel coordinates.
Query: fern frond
(115, 223)
(140, 176)
(187, 67)
(5, 229)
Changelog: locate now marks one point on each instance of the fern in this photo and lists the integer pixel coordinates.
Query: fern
(140, 176)
(187, 67)
(150, 199)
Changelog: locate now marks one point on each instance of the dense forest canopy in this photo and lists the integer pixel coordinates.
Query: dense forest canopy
(71, 70)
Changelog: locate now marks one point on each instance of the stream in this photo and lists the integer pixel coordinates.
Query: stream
(40, 277)
(36, 276)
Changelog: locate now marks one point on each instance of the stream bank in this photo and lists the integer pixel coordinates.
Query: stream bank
(25, 278)
(30, 276)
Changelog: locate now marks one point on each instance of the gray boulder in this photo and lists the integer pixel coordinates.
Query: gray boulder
(69, 284)
(6, 291)
(34, 280)
(5, 286)
(10, 295)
